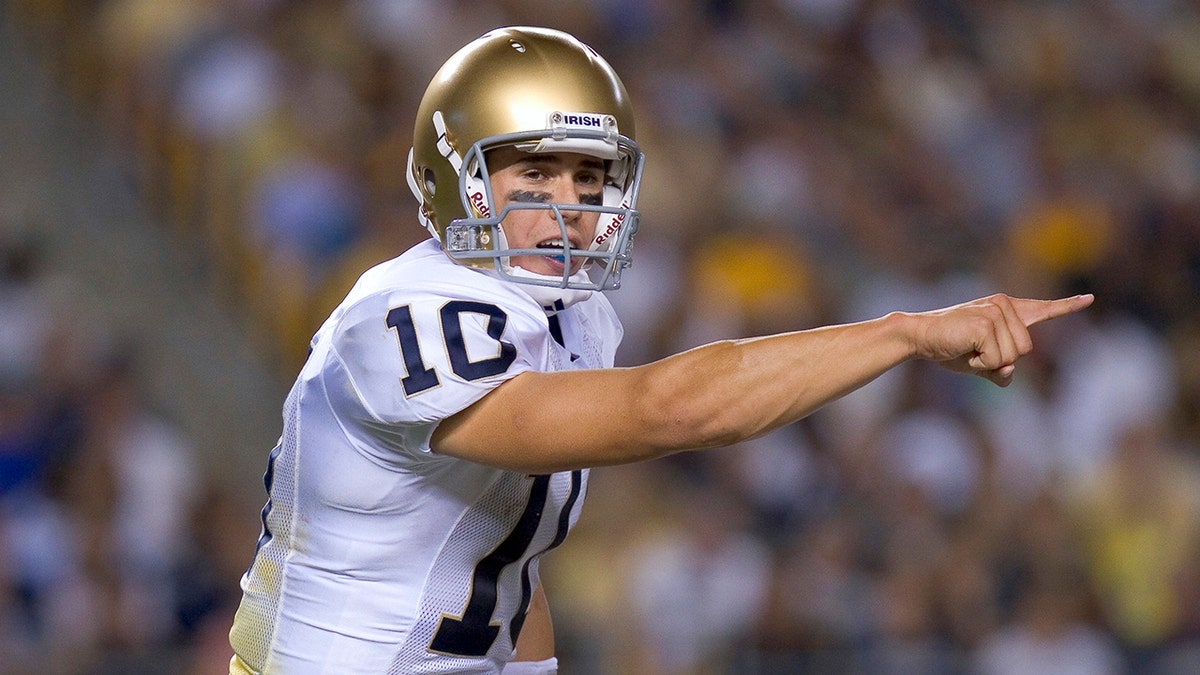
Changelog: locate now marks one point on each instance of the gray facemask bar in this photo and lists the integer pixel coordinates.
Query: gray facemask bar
(478, 238)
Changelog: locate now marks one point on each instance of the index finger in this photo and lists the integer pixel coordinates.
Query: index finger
(1036, 311)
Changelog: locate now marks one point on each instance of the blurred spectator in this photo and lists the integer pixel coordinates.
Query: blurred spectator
(909, 640)
(1116, 374)
(821, 605)
(696, 589)
(35, 422)
(1049, 635)
(129, 489)
(932, 444)
(1140, 519)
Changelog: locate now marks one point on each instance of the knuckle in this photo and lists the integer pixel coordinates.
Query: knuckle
(1000, 303)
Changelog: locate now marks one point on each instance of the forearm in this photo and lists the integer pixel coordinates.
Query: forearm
(726, 392)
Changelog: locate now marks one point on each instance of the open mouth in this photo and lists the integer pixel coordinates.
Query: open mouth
(556, 245)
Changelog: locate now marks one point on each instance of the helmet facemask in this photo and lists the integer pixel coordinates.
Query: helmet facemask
(481, 238)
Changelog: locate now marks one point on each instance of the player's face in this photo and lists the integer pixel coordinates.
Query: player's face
(556, 177)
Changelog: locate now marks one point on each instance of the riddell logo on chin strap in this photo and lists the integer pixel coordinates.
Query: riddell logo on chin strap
(615, 225)
(480, 203)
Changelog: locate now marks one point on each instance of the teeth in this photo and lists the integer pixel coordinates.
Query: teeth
(553, 243)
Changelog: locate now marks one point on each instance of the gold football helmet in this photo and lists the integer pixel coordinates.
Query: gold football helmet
(539, 90)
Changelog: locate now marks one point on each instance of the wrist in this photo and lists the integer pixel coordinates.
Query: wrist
(902, 329)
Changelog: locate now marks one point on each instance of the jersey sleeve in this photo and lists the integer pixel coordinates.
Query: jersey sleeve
(407, 360)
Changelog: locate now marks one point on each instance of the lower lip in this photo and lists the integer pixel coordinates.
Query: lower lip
(558, 262)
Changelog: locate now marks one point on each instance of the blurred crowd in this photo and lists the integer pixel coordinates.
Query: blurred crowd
(810, 161)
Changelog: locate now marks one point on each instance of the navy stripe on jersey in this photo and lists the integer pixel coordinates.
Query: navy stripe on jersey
(473, 634)
(564, 525)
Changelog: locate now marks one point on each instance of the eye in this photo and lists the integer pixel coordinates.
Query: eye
(533, 174)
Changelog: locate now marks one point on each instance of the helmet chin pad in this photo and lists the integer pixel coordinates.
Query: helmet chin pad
(549, 296)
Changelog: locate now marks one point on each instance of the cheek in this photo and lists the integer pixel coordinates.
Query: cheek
(589, 221)
(517, 226)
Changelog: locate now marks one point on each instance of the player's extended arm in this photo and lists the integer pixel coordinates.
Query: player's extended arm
(728, 391)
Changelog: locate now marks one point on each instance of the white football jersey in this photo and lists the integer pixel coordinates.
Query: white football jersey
(378, 555)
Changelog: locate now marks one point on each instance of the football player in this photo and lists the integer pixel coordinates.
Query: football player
(437, 441)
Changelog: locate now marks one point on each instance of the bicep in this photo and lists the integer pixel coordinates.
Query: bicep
(540, 422)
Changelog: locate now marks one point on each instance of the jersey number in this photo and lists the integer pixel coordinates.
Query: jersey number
(473, 633)
(420, 377)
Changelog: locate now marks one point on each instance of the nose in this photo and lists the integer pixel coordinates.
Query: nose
(567, 192)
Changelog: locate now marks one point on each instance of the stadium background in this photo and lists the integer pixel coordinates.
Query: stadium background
(187, 186)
